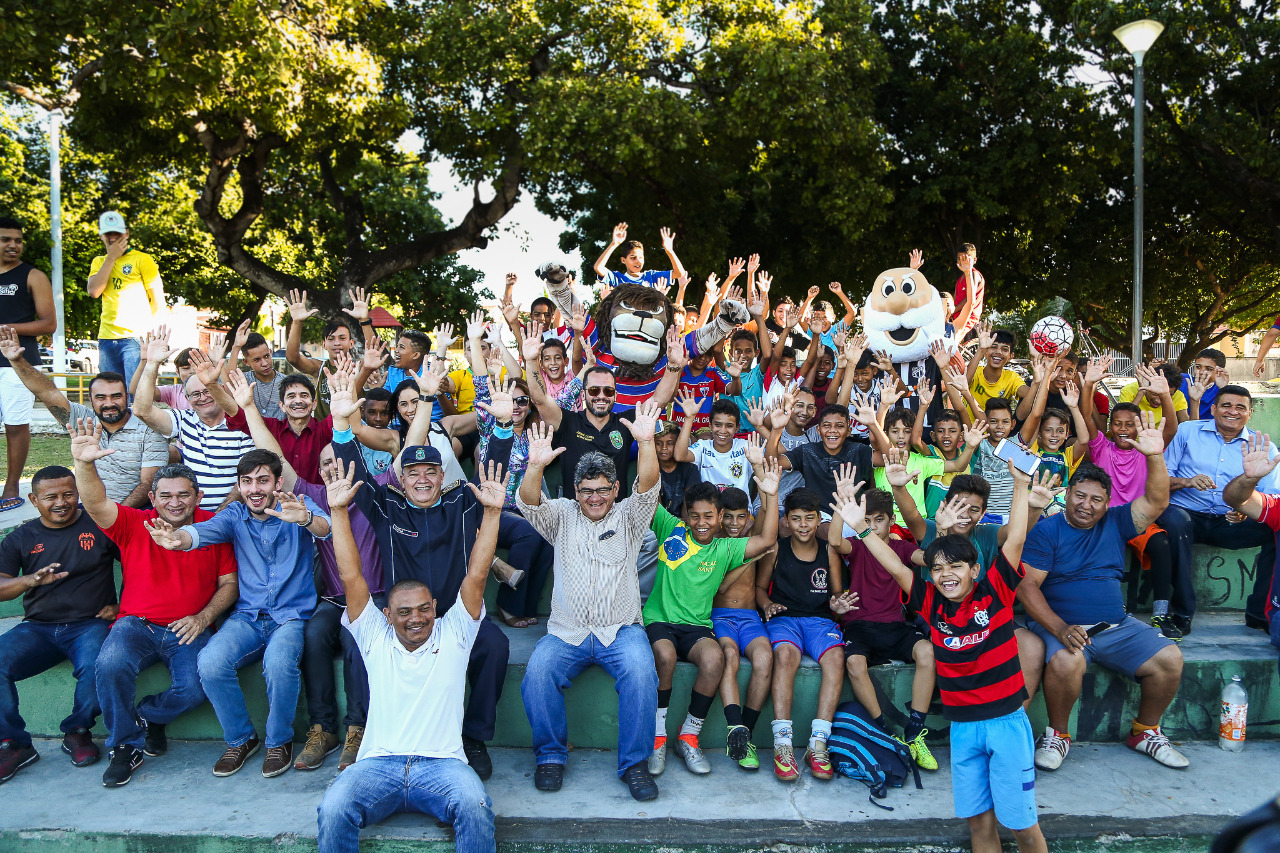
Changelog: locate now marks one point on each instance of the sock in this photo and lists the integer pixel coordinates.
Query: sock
(692, 725)
(750, 716)
(915, 725)
(781, 733)
(700, 704)
(1159, 608)
(660, 726)
(881, 723)
(819, 731)
(733, 715)
(1138, 728)
(664, 699)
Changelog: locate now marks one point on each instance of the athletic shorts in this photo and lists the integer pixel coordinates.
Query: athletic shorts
(881, 642)
(741, 624)
(16, 402)
(813, 635)
(1122, 648)
(683, 637)
(993, 766)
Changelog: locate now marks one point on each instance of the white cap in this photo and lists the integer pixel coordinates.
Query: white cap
(111, 221)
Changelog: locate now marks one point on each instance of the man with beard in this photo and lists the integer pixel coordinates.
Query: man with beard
(209, 446)
(137, 451)
(167, 605)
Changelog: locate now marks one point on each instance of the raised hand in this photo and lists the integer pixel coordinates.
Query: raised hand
(884, 362)
(242, 333)
(1258, 461)
(764, 281)
(531, 346)
(734, 367)
(915, 259)
(948, 515)
(443, 336)
(732, 293)
(756, 306)
(890, 393)
(862, 409)
(476, 323)
(1150, 439)
(359, 309)
(1044, 488)
(293, 509)
(619, 234)
(713, 288)
(757, 415)
(342, 398)
(204, 367)
(941, 356)
(753, 263)
(956, 378)
(767, 482)
(163, 534)
(86, 440)
(852, 509)
(677, 358)
(975, 433)
(847, 484)
(1097, 369)
(895, 468)
(836, 288)
(578, 320)
(689, 404)
(298, 309)
(241, 389)
(925, 391)
(780, 414)
(430, 378)
(1070, 394)
(375, 354)
(541, 453)
(668, 239)
(814, 291)
(1199, 384)
(840, 337)
(965, 263)
(1157, 383)
(736, 266)
(662, 285)
(340, 485)
(156, 348)
(644, 422)
(502, 406)
(986, 335)
(9, 346)
(755, 450)
(492, 491)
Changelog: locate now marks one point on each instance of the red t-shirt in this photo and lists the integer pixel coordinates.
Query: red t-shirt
(164, 586)
(879, 596)
(1271, 518)
(705, 386)
(1101, 403)
(300, 451)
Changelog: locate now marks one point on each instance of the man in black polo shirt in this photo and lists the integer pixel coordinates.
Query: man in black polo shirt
(61, 563)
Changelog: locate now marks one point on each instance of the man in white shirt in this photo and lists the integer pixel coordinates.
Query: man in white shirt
(411, 757)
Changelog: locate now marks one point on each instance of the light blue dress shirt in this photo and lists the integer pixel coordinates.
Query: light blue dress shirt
(1198, 448)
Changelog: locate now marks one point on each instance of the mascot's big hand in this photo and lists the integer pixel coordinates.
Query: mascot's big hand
(732, 313)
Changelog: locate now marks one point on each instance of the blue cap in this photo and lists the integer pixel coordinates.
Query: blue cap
(420, 454)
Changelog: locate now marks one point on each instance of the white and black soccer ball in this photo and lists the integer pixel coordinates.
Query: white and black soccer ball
(552, 272)
(1052, 336)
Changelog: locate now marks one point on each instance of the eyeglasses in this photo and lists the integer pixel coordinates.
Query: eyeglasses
(600, 391)
(201, 393)
(601, 492)
(520, 401)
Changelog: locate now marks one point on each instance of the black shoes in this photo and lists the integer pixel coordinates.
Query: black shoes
(478, 757)
(124, 760)
(548, 777)
(640, 783)
(156, 743)
(1256, 623)
(78, 743)
(1182, 623)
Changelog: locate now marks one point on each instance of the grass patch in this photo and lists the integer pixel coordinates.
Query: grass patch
(45, 450)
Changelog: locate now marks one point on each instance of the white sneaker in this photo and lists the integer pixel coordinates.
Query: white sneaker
(1154, 743)
(658, 759)
(1051, 749)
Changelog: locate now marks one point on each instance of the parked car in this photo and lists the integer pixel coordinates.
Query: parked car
(77, 362)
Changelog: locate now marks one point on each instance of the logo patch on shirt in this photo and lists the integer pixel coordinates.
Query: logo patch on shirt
(8, 289)
(615, 438)
(128, 268)
(819, 579)
(675, 548)
(981, 617)
(736, 470)
(39, 549)
(957, 643)
(86, 541)
(410, 533)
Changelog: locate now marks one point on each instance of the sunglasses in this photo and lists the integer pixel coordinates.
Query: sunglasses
(520, 401)
(601, 391)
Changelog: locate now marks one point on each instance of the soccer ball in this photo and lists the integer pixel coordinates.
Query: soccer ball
(1051, 336)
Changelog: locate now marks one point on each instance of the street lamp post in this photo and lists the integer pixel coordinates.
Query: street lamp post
(1137, 38)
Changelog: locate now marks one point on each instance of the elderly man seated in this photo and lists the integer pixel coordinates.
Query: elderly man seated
(595, 601)
(1074, 562)
(1202, 458)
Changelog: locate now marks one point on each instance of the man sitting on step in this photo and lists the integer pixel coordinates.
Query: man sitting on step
(62, 566)
(412, 758)
(1074, 562)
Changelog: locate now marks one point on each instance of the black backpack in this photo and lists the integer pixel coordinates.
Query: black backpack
(864, 751)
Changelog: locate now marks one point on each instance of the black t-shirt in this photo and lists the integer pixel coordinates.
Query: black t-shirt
(85, 553)
(796, 340)
(801, 585)
(578, 436)
(18, 306)
(819, 468)
(911, 372)
(674, 485)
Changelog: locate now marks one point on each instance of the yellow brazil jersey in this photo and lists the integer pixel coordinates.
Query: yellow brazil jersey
(464, 393)
(1006, 386)
(1130, 391)
(127, 306)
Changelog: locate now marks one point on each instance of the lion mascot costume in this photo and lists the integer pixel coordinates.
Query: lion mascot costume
(628, 332)
(904, 315)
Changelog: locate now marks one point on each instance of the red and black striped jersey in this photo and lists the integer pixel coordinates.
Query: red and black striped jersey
(974, 646)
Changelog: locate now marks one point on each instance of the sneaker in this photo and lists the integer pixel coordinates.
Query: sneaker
(1052, 749)
(1167, 627)
(687, 746)
(658, 758)
(737, 741)
(784, 763)
(640, 782)
(13, 758)
(78, 743)
(1154, 743)
(156, 743)
(1256, 623)
(278, 760)
(920, 753)
(819, 761)
(750, 761)
(478, 757)
(235, 757)
(320, 744)
(124, 760)
(351, 750)
(1183, 624)
(548, 777)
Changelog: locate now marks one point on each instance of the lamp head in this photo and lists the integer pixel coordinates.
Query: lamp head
(1137, 37)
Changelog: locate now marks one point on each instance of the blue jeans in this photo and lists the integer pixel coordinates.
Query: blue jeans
(133, 645)
(553, 666)
(240, 641)
(324, 635)
(30, 648)
(120, 355)
(1186, 527)
(375, 788)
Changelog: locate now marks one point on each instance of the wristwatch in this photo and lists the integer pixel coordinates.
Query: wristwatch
(427, 398)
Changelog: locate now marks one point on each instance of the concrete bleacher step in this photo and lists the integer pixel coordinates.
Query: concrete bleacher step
(1219, 647)
(1105, 797)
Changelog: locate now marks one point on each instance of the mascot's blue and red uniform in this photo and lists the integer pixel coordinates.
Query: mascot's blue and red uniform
(628, 332)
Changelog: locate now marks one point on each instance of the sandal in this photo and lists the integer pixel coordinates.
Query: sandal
(516, 621)
(11, 503)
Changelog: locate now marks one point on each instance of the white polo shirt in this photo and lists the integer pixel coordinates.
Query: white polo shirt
(415, 698)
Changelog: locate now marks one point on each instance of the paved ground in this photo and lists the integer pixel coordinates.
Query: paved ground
(1102, 788)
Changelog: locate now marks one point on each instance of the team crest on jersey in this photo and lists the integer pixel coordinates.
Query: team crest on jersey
(128, 268)
(615, 438)
(86, 541)
(981, 617)
(958, 643)
(8, 289)
(736, 470)
(819, 579)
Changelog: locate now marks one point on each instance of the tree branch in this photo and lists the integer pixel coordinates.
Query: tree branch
(349, 205)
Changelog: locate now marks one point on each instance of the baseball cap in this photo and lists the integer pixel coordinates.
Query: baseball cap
(111, 221)
(420, 454)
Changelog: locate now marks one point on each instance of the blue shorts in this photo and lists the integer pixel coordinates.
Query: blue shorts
(1123, 648)
(993, 766)
(812, 635)
(741, 624)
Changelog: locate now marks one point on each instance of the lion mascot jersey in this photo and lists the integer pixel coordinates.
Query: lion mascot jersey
(903, 315)
(628, 332)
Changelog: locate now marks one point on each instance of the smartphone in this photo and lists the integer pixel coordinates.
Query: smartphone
(1095, 630)
(1024, 460)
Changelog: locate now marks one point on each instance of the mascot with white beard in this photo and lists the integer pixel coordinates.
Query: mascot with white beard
(903, 315)
(629, 333)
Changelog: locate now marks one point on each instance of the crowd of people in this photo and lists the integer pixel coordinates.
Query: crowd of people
(791, 496)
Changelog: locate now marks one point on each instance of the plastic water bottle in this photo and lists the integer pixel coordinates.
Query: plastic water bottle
(1235, 710)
